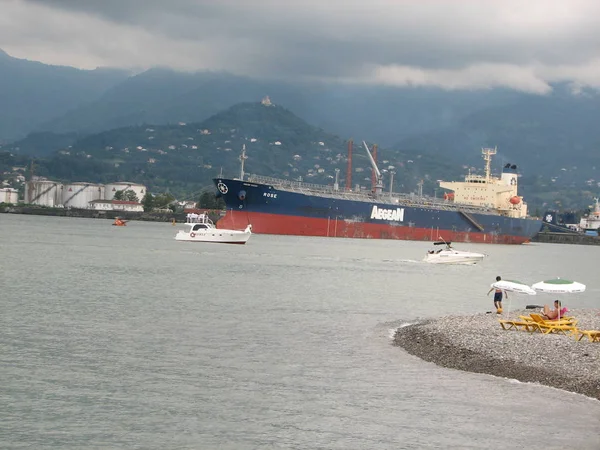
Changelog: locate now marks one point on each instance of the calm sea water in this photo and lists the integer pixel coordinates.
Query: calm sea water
(120, 337)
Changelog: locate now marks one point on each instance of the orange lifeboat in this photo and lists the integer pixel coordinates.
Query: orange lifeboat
(119, 222)
(449, 196)
(514, 200)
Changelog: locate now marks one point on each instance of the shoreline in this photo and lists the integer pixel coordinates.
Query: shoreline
(478, 344)
(152, 216)
(91, 213)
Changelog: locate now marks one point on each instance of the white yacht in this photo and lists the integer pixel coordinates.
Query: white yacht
(449, 255)
(204, 230)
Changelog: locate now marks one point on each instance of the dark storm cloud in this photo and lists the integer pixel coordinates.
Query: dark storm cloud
(452, 44)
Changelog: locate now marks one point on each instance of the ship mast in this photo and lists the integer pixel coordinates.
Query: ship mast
(487, 156)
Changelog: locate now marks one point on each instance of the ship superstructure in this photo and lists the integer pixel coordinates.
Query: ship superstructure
(487, 191)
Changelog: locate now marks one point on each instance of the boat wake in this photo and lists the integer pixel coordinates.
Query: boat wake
(323, 258)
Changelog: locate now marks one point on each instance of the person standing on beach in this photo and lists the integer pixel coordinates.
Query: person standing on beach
(498, 296)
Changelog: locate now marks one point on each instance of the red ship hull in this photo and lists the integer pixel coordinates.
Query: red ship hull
(265, 223)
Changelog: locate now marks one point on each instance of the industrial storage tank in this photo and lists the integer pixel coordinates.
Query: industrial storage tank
(9, 195)
(43, 193)
(112, 188)
(79, 195)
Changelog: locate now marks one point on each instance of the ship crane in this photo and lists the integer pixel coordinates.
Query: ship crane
(379, 182)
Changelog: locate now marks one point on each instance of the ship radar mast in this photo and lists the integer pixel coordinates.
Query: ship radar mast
(379, 183)
(487, 156)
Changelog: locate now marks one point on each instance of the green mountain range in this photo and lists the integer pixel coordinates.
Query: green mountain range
(68, 100)
(185, 157)
(31, 92)
(84, 125)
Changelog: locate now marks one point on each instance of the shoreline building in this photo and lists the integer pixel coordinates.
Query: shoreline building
(9, 195)
(82, 195)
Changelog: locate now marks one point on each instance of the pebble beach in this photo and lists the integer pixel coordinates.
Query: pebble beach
(477, 343)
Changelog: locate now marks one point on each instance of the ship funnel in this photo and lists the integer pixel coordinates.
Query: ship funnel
(379, 182)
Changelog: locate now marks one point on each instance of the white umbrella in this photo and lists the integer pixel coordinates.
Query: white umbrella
(559, 286)
(513, 286)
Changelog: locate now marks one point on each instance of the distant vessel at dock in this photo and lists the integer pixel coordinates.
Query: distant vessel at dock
(482, 208)
(590, 224)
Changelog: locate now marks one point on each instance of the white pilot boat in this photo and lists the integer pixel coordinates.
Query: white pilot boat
(449, 255)
(204, 230)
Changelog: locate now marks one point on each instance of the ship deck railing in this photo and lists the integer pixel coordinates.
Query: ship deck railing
(391, 198)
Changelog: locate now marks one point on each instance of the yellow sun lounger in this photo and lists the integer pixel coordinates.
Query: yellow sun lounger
(593, 335)
(518, 324)
(554, 326)
(537, 318)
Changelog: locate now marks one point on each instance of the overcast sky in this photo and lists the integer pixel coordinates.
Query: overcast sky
(453, 44)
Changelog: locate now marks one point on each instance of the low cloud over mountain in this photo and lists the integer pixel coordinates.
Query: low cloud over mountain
(461, 44)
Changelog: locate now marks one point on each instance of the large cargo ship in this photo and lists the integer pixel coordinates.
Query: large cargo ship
(482, 208)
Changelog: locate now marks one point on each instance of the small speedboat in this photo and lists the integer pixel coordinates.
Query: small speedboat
(204, 230)
(449, 255)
